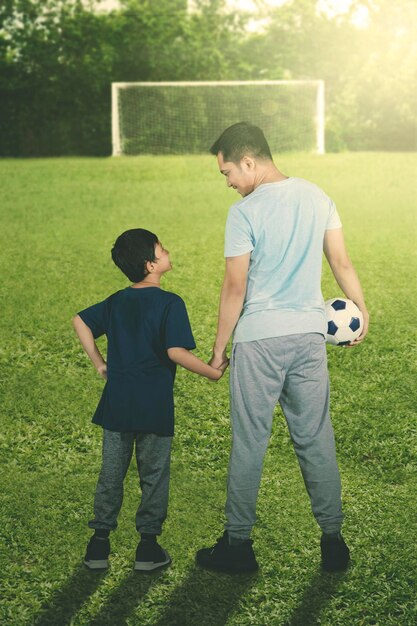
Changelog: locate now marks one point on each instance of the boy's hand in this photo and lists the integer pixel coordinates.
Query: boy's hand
(102, 370)
(219, 371)
(218, 359)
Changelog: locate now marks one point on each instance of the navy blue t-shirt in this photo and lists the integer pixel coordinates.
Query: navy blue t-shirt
(140, 325)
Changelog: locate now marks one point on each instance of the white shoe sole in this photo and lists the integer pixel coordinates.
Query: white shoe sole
(97, 564)
(148, 566)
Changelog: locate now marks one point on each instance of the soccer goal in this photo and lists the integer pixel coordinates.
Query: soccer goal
(187, 117)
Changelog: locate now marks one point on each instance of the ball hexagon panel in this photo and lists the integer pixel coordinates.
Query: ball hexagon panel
(338, 305)
(331, 328)
(355, 324)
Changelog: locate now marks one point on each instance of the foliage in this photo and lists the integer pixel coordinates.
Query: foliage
(385, 77)
(56, 72)
(370, 73)
(58, 59)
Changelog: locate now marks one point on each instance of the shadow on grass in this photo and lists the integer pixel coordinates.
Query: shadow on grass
(122, 603)
(67, 600)
(204, 597)
(315, 598)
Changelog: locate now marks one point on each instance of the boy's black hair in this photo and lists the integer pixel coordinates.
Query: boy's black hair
(240, 139)
(132, 250)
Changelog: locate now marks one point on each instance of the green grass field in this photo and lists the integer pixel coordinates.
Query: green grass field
(59, 220)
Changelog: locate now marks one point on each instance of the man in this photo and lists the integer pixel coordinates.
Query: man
(271, 298)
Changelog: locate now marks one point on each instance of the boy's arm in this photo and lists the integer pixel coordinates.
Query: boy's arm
(87, 341)
(345, 275)
(187, 359)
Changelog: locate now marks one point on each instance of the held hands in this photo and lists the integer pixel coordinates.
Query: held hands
(220, 362)
(219, 371)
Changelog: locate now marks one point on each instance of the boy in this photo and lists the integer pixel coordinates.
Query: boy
(148, 333)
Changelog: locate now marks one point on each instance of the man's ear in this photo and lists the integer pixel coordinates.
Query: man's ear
(248, 163)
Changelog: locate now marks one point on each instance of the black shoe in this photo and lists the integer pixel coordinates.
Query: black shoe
(98, 550)
(232, 559)
(150, 555)
(335, 554)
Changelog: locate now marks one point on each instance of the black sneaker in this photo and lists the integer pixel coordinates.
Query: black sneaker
(98, 550)
(150, 555)
(232, 559)
(335, 554)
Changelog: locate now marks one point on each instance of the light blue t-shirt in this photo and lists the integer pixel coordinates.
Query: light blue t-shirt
(282, 225)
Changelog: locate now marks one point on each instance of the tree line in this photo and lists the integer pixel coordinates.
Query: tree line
(58, 59)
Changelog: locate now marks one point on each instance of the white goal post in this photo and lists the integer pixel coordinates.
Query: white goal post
(181, 117)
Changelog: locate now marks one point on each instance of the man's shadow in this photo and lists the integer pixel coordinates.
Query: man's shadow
(205, 598)
(319, 592)
(211, 598)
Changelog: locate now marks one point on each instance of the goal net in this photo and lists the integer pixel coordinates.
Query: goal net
(187, 117)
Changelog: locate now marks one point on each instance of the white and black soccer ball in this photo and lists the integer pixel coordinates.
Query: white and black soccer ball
(344, 321)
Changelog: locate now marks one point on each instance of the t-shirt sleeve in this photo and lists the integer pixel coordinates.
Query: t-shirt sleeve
(178, 333)
(238, 236)
(333, 220)
(96, 318)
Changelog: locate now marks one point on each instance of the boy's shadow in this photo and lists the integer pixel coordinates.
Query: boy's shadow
(67, 600)
(125, 599)
(203, 597)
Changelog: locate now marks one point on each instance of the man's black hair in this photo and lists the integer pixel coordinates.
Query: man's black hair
(240, 139)
(132, 250)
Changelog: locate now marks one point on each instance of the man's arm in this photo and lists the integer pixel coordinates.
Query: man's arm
(345, 275)
(87, 341)
(231, 302)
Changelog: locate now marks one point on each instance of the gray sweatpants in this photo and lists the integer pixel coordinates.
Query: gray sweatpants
(291, 370)
(153, 453)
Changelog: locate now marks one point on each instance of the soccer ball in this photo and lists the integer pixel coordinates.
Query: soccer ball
(344, 321)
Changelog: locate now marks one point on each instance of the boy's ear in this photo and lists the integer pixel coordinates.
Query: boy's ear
(149, 267)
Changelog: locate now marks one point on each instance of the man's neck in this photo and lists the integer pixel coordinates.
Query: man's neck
(269, 174)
